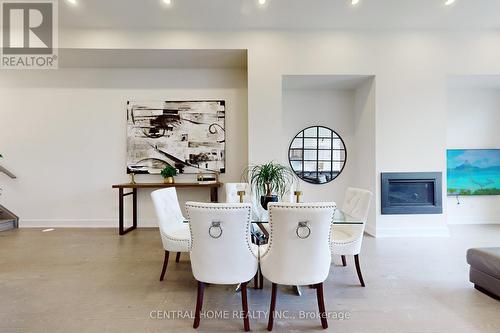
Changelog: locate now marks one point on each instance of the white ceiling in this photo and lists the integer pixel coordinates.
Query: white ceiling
(280, 14)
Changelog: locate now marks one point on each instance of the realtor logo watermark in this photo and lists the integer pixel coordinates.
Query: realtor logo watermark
(29, 34)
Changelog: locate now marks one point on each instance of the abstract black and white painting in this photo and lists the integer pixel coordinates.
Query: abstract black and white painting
(188, 135)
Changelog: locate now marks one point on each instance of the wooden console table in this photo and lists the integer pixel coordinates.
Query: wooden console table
(213, 187)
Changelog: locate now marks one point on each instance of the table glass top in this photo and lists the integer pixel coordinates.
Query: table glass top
(338, 218)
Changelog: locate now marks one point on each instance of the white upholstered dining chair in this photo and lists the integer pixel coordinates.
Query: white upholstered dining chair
(259, 211)
(221, 249)
(347, 239)
(174, 231)
(231, 190)
(289, 195)
(232, 196)
(298, 252)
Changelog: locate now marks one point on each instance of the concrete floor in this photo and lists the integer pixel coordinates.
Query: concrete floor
(92, 280)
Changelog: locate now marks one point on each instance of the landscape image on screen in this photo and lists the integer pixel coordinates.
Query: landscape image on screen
(473, 171)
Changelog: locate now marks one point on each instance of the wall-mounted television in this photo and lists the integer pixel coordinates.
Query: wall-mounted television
(473, 171)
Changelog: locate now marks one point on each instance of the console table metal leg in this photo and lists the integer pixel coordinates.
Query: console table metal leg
(214, 194)
(134, 214)
(121, 215)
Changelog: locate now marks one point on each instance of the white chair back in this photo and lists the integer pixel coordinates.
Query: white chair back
(289, 195)
(298, 252)
(221, 248)
(357, 203)
(168, 210)
(347, 239)
(232, 189)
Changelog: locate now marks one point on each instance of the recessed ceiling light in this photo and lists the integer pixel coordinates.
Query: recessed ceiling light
(73, 2)
(263, 4)
(167, 2)
(354, 2)
(449, 2)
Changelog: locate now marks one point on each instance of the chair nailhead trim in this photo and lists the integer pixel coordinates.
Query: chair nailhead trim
(341, 244)
(247, 229)
(175, 239)
(287, 206)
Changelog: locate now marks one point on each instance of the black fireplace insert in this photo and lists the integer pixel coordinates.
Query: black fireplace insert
(412, 193)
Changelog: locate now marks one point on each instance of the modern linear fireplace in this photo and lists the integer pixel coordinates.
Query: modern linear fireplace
(412, 193)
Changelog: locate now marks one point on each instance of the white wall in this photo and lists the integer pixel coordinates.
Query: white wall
(350, 111)
(411, 68)
(365, 170)
(473, 119)
(330, 108)
(63, 133)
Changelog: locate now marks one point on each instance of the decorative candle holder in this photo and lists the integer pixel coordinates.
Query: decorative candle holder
(200, 176)
(241, 195)
(297, 196)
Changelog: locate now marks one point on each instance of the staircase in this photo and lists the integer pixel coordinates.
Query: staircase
(7, 224)
(8, 220)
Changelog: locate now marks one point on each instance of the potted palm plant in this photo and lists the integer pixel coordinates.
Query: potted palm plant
(270, 181)
(168, 174)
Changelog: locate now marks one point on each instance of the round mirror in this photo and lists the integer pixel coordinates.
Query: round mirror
(317, 155)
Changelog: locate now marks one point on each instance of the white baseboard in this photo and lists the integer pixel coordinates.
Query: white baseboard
(148, 223)
(412, 232)
(82, 223)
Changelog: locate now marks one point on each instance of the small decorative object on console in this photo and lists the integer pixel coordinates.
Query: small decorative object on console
(168, 174)
(207, 179)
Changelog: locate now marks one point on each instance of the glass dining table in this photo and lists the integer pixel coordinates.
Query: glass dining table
(261, 235)
(340, 218)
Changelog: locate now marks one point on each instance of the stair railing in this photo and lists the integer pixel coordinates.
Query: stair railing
(7, 172)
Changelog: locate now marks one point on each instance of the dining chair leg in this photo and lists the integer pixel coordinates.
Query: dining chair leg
(178, 257)
(199, 304)
(261, 279)
(272, 307)
(256, 280)
(165, 263)
(358, 269)
(321, 305)
(344, 262)
(244, 305)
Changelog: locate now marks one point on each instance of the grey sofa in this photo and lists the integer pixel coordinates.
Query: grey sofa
(485, 270)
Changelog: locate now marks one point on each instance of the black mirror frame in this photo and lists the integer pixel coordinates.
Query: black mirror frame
(345, 152)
